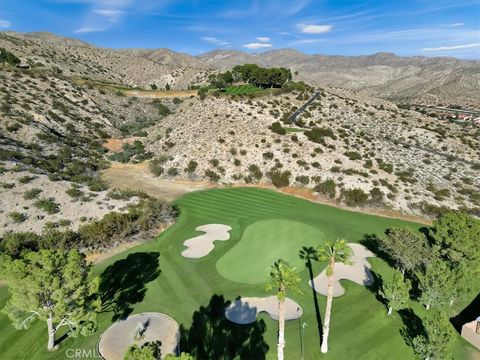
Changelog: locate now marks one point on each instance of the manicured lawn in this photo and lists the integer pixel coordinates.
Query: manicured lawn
(242, 89)
(262, 244)
(155, 277)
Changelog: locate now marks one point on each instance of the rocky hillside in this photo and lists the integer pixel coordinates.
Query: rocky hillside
(414, 79)
(348, 147)
(355, 149)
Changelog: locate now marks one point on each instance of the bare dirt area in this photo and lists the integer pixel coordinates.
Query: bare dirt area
(116, 145)
(138, 177)
(154, 94)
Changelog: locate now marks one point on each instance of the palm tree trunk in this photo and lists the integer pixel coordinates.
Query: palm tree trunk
(281, 328)
(390, 310)
(328, 310)
(51, 333)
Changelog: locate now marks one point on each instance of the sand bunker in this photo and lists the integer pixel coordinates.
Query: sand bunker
(245, 310)
(116, 340)
(201, 246)
(358, 271)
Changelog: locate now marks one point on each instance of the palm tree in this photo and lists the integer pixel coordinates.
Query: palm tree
(283, 278)
(332, 252)
(309, 255)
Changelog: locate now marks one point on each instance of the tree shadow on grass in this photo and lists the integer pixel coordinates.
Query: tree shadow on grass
(470, 313)
(213, 337)
(122, 284)
(413, 326)
(309, 254)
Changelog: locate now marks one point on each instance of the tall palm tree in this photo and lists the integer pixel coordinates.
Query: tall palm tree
(309, 255)
(332, 252)
(283, 278)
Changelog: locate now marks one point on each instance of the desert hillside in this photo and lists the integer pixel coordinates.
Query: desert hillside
(75, 110)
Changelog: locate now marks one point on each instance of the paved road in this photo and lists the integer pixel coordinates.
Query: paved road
(293, 118)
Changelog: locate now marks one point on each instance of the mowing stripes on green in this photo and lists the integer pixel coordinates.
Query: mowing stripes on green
(263, 243)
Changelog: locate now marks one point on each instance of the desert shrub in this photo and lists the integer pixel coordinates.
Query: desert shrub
(376, 196)
(74, 192)
(191, 166)
(277, 128)
(17, 217)
(255, 171)
(26, 179)
(318, 135)
(354, 197)
(31, 194)
(155, 165)
(97, 184)
(212, 175)
(388, 168)
(302, 179)
(237, 162)
(48, 205)
(327, 187)
(173, 171)
(353, 155)
(279, 178)
(267, 155)
(214, 162)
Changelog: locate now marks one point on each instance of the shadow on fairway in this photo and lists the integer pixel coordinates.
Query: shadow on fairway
(309, 254)
(212, 336)
(122, 284)
(413, 326)
(468, 314)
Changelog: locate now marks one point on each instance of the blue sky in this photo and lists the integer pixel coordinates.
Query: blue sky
(405, 27)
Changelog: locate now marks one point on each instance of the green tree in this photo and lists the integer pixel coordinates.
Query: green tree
(436, 284)
(396, 292)
(282, 278)
(182, 356)
(332, 252)
(53, 286)
(407, 249)
(437, 341)
(457, 235)
(148, 351)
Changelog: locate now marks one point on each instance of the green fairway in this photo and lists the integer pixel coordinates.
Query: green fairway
(242, 89)
(155, 277)
(262, 244)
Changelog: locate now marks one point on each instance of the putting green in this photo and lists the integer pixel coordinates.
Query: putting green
(263, 243)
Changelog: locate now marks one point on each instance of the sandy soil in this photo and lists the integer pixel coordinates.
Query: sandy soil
(245, 310)
(115, 145)
(138, 177)
(358, 272)
(202, 245)
(115, 341)
(160, 94)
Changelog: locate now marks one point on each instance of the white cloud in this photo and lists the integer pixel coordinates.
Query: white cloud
(86, 29)
(4, 24)
(314, 29)
(214, 41)
(263, 39)
(254, 46)
(456, 24)
(305, 41)
(455, 47)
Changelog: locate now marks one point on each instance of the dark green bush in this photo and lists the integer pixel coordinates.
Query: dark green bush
(327, 187)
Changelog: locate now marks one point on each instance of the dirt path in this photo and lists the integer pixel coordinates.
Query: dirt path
(138, 177)
(160, 94)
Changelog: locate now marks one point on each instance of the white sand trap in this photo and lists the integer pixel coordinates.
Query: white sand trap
(116, 340)
(245, 310)
(358, 271)
(201, 246)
